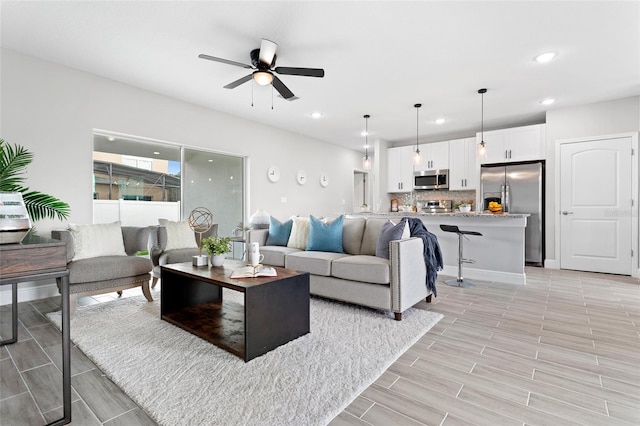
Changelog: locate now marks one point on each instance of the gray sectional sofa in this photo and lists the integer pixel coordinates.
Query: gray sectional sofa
(357, 275)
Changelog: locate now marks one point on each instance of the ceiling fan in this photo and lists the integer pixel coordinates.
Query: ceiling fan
(263, 61)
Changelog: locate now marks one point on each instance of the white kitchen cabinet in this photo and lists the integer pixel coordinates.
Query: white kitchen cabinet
(435, 156)
(515, 144)
(462, 164)
(400, 169)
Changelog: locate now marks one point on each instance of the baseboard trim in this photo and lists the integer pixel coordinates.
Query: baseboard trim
(486, 275)
(26, 294)
(551, 264)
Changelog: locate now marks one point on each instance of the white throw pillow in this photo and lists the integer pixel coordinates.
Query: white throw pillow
(299, 237)
(179, 235)
(102, 239)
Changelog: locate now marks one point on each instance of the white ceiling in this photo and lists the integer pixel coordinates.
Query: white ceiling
(380, 58)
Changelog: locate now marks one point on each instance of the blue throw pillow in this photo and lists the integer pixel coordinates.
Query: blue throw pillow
(325, 236)
(389, 232)
(278, 232)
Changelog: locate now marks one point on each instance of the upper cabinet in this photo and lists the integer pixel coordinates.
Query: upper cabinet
(400, 169)
(434, 156)
(462, 164)
(514, 144)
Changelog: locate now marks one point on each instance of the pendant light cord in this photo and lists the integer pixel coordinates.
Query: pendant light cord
(366, 136)
(482, 92)
(417, 106)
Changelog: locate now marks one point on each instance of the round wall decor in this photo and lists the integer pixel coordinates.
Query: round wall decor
(273, 174)
(324, 180)
(301, 177)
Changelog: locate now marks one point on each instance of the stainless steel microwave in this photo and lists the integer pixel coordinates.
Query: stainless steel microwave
(431, 179)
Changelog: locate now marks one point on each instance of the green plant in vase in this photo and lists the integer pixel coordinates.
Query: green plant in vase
(13, 162)
(217, 247)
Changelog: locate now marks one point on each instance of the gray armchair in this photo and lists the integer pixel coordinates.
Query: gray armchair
(160, 256)
(98, 275)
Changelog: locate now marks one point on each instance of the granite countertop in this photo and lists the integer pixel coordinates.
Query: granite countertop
(455, 214)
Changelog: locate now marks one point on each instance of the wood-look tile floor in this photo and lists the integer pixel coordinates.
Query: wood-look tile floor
(31, 378)
(564, 349)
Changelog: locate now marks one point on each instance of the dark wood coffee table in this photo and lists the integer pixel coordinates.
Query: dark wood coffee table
(275, 311)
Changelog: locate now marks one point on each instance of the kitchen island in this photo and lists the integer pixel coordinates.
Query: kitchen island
(499, 253)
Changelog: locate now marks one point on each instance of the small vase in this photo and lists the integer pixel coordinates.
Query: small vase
(217, 259)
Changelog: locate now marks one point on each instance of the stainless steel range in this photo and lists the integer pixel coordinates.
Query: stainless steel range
(438, 206)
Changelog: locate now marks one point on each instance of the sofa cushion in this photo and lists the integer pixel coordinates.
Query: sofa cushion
(352, 230)
(314, 262)
(274, 255)
(369, 269)
(299, 233)
(107, 268)
(391, 232)
(370, 236)
(102, 239)
(178, 255)
(179, 234)
(279, 232)
(325, 236)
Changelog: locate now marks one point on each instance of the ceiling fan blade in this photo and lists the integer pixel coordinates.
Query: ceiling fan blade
(224, 61)
(307, 72)
(239, 82)
(267, 51)
(282, 89)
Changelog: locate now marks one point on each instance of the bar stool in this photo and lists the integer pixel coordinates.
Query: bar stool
(459, 281)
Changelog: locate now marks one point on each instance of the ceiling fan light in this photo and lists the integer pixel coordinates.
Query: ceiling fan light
(543, 58)
(263, 78)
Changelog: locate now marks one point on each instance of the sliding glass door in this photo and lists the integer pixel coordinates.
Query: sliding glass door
(137, 181)
(214, 181)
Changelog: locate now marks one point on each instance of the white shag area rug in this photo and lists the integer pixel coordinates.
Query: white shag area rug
(180, 379)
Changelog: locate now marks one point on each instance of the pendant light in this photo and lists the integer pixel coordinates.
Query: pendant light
(366, 161)
(482, 148)
(417, 156)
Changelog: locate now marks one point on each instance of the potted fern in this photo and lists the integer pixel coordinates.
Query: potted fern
(217, 247)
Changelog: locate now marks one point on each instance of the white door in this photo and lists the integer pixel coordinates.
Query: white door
(595, 205)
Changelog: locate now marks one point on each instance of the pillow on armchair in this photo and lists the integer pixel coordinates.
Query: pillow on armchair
(179, 234)
(101, 239)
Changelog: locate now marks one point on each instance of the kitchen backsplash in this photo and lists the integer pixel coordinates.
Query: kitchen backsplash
(412, 198)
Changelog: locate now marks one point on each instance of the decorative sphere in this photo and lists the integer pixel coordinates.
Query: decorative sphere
(200, 219)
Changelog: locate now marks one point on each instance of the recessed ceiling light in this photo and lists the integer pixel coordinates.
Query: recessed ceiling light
(111, 138)
(156, 153)
(364, 133)
(211, 161)
(547, 101)
(316, 115)
(366, 146)
(543, 58)
(440, 120)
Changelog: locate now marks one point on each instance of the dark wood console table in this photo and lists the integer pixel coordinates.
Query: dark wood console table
(34, 259)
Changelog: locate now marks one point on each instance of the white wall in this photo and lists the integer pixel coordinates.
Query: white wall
(597, 119)
(52, 111)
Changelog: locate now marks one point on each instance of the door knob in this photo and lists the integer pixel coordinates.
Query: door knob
(566, 213)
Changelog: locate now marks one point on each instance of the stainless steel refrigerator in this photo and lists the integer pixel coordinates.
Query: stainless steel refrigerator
(519, 187)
